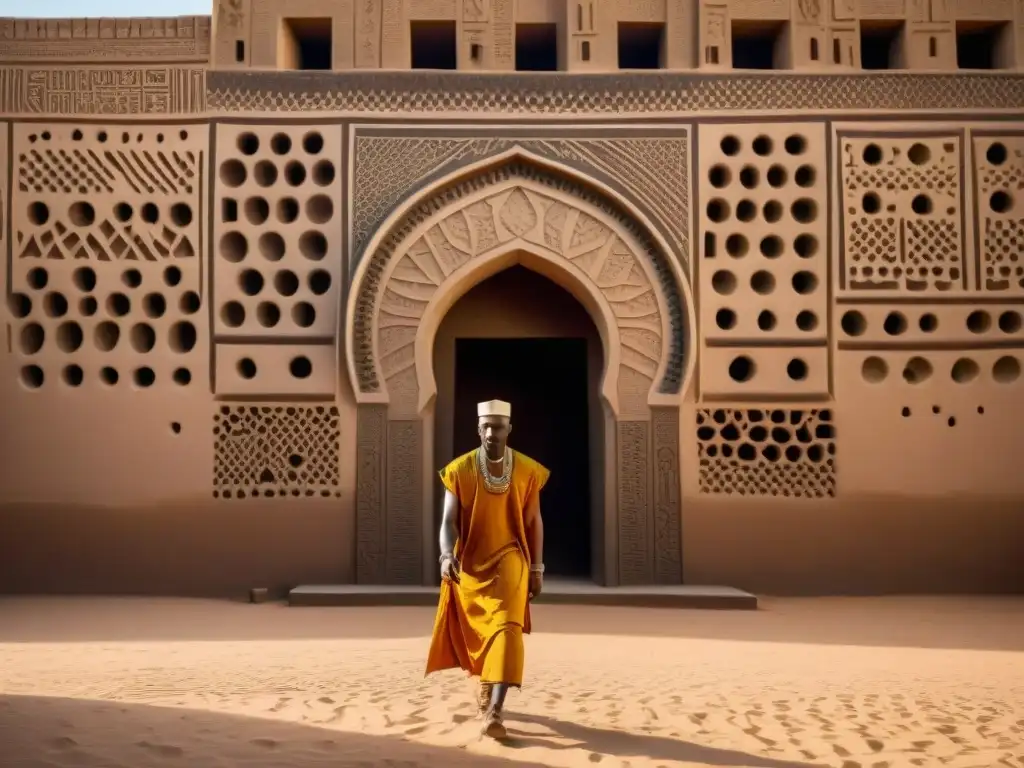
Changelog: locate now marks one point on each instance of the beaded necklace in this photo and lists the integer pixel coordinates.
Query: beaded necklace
(491, 483)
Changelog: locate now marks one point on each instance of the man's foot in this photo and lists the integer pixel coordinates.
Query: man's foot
(494, 727)
(483, 697)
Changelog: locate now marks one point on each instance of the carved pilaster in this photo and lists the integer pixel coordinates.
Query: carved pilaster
(665, 480)
(404, 497)
(371, 533)
(634, 487)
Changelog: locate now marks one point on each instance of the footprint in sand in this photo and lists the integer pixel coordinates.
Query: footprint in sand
(264, 743)
(164, 750)
(281, 704)
(63, 742)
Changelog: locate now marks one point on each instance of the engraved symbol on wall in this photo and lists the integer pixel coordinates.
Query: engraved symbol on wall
(902, 214)
(779, 452)
(999, 176)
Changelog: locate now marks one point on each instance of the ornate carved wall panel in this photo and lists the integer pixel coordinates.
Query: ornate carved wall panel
(666, 479)
(635, 529)
(107, 254)
(185, 38)
(999, 200)
(404, 502)
(371, 482)
(82, 91)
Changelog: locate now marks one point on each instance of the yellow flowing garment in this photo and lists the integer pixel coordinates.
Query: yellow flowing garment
(480, 623)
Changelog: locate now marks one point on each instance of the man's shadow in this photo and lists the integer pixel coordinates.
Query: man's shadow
(625, 745)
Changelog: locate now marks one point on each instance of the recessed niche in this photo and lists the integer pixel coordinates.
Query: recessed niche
(280, 144)
(1006, 370)
(257, 210)
(766, 320)
(118, 305)
(725, 319)
(762, 282)
(265, 173)
(979, 321)
(303, 314)
(172, 276)
(313, 245)
(144, 377)
(874, 370)
(246, 368)
(287, 210)
(132, 278)
(31, 338)
(69, 337)
(182, 377)
(741, 369)
(268, 314)
(232, 314)
(796, 369)
(917, 370)
(723, 282)
(895, 324)
(73, 375)
(250, 281)
(106, 335)
(271, 246)
(182, 337)
(55, 305)
(154, 305)
(19, 305)
(142, 337)
(84, 279)
(286, 282)
(964, 370)
(234, 247)
(32, 376)
(806, 320)
(928, 323)
(300, 367)
(1010, 322)
(319, 282)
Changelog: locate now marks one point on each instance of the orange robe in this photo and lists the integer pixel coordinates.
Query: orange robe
(481, 621)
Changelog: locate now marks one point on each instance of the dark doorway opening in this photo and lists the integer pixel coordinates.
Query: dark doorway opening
(434, 45)
(308, 43)
(545, 380)
(536, 47)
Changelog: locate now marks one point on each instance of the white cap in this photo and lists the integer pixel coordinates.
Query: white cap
(494, 408)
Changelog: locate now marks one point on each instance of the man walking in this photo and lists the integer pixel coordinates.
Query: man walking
(492, 563)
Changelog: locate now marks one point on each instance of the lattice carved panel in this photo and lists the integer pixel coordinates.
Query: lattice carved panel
(779, 452)
(276, 450)
(999, 196)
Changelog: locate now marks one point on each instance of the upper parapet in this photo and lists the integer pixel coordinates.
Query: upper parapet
(183, 39)
(608, 35)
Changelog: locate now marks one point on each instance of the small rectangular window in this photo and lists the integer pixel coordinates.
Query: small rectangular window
(814, 49)
(476, 51)
(585, 50)
(641, 45)
(880, 44)
(758, 45)
(537, 47)
(434, 44)
(306, 44)
(984, 45)
(710, 246)
(711, 54)
(837, 52)
(239, 51)
(933, 47)
(228, 210)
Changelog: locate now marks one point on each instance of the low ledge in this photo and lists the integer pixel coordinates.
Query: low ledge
(684, 596)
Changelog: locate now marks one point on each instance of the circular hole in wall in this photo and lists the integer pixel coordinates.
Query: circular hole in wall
(300, 367)
(919, 154)
(905, 412)
(38, 214)
(37, 278)
(109, 376)
(772, 211)
(806, 320)
(718, 210)
(73, 375)
(84, 279)
(741, 369)
(928, 322)
(118, 305)
(917, 370)
(131, 278)
(979, 321)
(853, 323)
(142, 337)
(805, 246)
(795, 144)
(895, 324)
(82, 214)
(871, 203)
(746, 210)
(964, 370)
(233, 246)
(805, 282)
(804, 210)
(762, 282)
(921, 205)
(996, 153)
(233, 173)
(303, 314)
(182, 337)
(776, 176)
(154, 305)
(106, 335)
(69, 337)
(280, 144)
(286, 282)
(287, 210)
(1006, 370)
(248, 143)
(246, 368)
(796, 369)
(725, 319)
(762, 146)
(181, 215)
(736, 246)
(268, 314)
(123, 212)
(150, 213)
(319, 209)
(872, 154)
(32, 376)
(19, 305)
(951, 421)
(1000, 202)
(232, 314)
(749, 176)
(719, 176)
(319, 282)
(87, 306)
(256, 209)
(805, 176)
(172, 276)
(265, 173)
(323, 173)
(295, 173)
(766, 320)
(250, 281)
(1009, 322)
(312, 143)
(271, 246)
(313, 245)
(182, 377)
(144, 377)
(723, 282)
(175, 427)
(55, 305)
(771, 247)
(189, 302)
(31, 338)
(730, 145)
(874, 370)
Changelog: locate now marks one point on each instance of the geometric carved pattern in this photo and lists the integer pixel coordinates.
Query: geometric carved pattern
(664, 469)
(610, 94)
(999, 176)
(778, 452)
(371, 529)
(634, 523)
(467, 231)
(277, 450)
(650, 169)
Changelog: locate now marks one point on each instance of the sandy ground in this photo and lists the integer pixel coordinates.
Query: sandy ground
(850, 683)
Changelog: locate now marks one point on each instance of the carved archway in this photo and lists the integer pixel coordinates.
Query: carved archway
(517, 209)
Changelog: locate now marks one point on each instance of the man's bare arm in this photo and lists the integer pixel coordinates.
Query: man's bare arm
(534, 530)
(449, 523)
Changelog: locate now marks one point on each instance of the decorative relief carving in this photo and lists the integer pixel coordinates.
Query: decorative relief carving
(611, 94)
(636, 565)
(231, 14)
(999, 179)
(94, 91)
(276, 450)
(371, 541)
(552, 221)
(405, 502)
(780, 452)
(668, 568)
(652, 170)
(122, 39)
(902, 214)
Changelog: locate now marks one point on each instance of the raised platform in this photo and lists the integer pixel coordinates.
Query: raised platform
(556, 591)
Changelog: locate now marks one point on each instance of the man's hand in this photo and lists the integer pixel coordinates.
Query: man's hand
(450, 569)
(536, 584)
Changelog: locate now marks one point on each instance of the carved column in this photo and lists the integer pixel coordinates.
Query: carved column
(371, 531)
